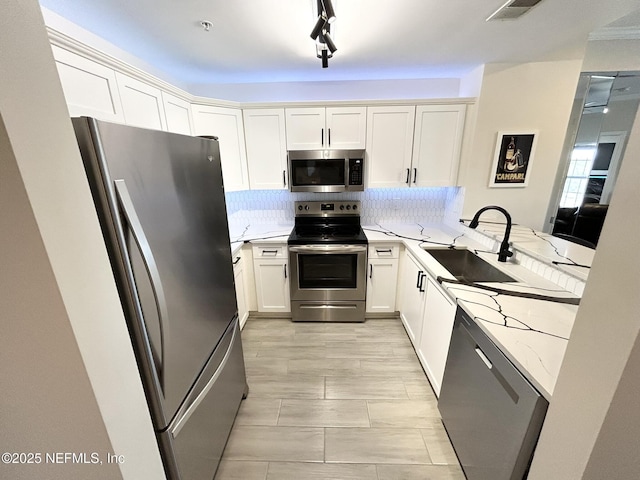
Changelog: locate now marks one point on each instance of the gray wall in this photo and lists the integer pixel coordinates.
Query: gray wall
(47, 404)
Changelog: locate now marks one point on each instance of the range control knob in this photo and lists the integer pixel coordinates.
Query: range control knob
(341, 207)
(306, 207)
(299, 207)
(355, 207)
(348, 207)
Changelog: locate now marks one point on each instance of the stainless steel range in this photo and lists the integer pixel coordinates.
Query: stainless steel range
(328, 259)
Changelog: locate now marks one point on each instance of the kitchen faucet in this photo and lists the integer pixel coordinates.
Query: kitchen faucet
(504, 252)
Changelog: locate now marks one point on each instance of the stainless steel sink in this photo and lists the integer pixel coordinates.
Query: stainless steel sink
(466, 266)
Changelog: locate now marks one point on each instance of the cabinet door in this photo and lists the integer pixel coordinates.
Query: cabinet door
(305, 128)
(346, 127)
(381, 285)
(226, 124)
(178, 113)
(437, 144)
(439, 315)
(264, 133)
(412, 298)
(272, 285)
(141, 103)
(389, 146)
(241, 295)
(89, 89)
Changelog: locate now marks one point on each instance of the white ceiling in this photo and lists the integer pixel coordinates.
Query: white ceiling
(268, 40)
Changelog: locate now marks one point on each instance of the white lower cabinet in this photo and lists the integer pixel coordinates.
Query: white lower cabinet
(382, 278)
(241, 291)
(412, 297)
(437, 326)
(272, 278)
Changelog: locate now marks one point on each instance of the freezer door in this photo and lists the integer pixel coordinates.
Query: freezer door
(161, 203)
(199, 433)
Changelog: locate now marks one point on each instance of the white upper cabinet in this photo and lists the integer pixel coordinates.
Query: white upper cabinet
(178, 113)
(389, 146)
(226, 124)
(436, 145)
(264, 131)
(90, 89)
(346, 127)
(141, 103)
(331, 127)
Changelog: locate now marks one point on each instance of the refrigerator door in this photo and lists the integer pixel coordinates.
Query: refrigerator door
(161, 203)
(200, 431)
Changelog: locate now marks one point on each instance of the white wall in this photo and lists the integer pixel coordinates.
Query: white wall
(514, 98)
(592, 429)
(328, 91)
(40, 138)
(611, 56)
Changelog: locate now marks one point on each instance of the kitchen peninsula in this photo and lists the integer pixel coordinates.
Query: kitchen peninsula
(532, 333)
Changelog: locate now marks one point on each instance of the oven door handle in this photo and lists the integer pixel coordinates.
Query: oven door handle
(328, 248)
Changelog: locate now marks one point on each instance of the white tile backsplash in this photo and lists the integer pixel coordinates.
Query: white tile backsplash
(389, 205)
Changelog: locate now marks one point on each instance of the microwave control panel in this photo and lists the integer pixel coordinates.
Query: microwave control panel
(355, 171)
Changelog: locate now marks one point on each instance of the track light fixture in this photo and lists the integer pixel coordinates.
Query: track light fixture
(325, 47)
(328, 10)
(326, 39)
(319, 27)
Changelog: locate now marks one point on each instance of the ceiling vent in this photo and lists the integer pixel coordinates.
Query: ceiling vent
(513, 9)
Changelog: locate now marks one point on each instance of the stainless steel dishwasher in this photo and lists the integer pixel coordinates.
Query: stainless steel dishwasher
(492, 414)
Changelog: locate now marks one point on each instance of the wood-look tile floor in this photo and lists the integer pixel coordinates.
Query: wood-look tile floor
(344, 401)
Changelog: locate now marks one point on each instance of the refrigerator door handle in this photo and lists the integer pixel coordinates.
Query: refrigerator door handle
(129, 211)
(181, 419)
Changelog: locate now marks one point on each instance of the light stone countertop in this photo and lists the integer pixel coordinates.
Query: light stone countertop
(243, 233)
(532, 333)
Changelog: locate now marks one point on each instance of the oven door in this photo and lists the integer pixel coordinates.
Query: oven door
(328, 272)
(318, 174)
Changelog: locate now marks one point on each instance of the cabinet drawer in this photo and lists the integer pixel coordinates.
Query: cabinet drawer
(269, 251)
(384, 250)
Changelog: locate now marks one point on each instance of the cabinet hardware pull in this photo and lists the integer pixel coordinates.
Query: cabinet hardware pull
(269, 252)
(284, 177)
(386, 250)
(285, 270)
(415, 174)
(235, 262)
(329, 135)
(408, 175)
(419, 282)
(421, 288)
(370, 270)
(322, 137)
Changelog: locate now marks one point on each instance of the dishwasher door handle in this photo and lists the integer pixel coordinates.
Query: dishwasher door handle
(484, 358)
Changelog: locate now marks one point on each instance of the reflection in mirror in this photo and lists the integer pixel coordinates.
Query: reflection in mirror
(607, 113)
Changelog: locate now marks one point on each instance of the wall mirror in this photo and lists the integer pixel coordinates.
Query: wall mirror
(603, 113)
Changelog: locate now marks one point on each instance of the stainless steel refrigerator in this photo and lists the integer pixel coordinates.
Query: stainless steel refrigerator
(160, 201)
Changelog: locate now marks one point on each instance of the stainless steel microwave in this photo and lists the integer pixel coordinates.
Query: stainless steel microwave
(326, 170)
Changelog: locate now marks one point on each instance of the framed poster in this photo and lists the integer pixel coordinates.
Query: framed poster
(512, 159)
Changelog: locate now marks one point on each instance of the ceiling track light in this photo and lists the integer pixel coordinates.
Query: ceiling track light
(206, 25)
(326, 39)
(330, 13)
(319, 27)
(321, 33)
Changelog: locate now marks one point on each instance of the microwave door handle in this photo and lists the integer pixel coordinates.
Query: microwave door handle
(150, 265)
